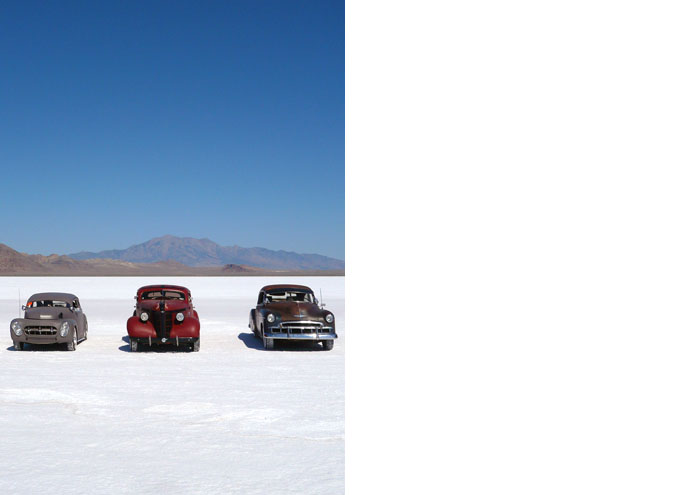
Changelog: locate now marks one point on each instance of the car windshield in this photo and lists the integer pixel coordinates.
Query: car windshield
(48, 304)
(166, 294)
(289, 295)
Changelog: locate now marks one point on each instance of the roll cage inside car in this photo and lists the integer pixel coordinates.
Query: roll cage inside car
(282, 295)
(52, 303)
(163, 294)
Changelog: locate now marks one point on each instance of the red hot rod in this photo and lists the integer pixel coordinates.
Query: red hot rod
(164, 314)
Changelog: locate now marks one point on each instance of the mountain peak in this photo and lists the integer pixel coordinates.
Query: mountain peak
(205, 252)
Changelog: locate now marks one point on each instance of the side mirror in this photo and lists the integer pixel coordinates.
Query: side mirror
(24, 308)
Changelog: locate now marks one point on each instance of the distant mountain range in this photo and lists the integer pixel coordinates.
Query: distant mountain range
(15, 263)
(206, 253)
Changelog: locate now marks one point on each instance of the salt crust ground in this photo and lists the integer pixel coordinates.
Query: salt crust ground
(232, 418)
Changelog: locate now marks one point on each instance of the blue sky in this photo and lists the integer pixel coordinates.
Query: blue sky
(123, 121)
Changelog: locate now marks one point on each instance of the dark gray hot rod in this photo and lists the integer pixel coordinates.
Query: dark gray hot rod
(291, 312)
(50, 318)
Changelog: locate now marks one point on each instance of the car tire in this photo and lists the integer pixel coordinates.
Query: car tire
(252, 325)
(72, 345)
(268, 344)
(19, 346)
(327, 345)
(195, 347)
(133, 345)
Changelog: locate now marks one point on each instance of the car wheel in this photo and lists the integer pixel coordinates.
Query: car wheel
(72, 345)
(327, 345)
(133, 345)
(195, 347)
(268, 343)
(252, 325)
(18, 346)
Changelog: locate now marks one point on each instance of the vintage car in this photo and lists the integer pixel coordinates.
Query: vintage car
(291, 312)
(50, 318)
(164, 314)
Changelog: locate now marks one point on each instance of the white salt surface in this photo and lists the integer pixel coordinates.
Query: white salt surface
(232, 418)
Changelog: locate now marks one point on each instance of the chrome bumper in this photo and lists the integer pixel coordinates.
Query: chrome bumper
(301, 330)
(301, 336)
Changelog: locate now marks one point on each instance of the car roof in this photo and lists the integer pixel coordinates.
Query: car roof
(287, 286)
(53, 296)
(164, 286)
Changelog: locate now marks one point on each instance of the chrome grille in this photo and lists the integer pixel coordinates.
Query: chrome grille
(40, 330)
(300, 327)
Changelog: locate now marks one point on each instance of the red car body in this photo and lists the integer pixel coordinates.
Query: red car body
(157, 318)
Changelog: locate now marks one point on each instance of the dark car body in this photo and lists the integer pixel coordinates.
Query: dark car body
(164, 315)
(291, 312)
(50, 318)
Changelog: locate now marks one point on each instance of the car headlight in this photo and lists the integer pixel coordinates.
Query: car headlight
(270, 317)
(144, 316)
(329, 318)
(64, 328)
(179, 317)
(16, 328)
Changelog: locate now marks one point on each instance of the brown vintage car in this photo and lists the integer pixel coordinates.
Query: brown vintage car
(291, 312)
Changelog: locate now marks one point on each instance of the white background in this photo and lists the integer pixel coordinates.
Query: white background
(520, 205)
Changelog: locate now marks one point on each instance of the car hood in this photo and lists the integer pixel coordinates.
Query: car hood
(47, 313)
(291, 310)
(153, 305)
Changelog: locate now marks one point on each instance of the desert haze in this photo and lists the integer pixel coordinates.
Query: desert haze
(13, 262)
(173, 256)
(206, 253)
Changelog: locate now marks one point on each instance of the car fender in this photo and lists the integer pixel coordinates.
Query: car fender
(260, 320)
(189, 327)
(73, 324)
(136, 328)
(20, 320)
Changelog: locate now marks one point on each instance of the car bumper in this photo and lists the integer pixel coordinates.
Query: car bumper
(301, 336)
(42, 339)
(164, 341)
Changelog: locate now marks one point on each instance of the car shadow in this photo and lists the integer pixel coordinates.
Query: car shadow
(253, 342)
(38, 348)
(154, 348)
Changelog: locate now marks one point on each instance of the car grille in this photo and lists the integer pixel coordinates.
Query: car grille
(40, 330)
(163, 321)
(300, 327)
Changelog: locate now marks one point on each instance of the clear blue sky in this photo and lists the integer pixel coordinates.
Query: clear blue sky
(123, 121)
